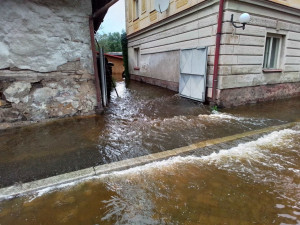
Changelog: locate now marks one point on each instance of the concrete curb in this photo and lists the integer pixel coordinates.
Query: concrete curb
(16, 190)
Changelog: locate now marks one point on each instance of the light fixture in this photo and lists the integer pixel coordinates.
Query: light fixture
(244, 19)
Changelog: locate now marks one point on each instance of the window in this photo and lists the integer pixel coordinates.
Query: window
(272, 52)
(144, 7)
(129, 10)
(151, 5)
(136, 9)
(137, 58)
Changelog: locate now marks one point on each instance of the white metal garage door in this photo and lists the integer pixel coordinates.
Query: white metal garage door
(193, 65)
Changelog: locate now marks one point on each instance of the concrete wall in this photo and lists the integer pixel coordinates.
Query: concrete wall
(242, 54)
(159, 45)
(45, 59)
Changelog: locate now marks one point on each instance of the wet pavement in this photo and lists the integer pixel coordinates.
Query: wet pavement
(145, 119)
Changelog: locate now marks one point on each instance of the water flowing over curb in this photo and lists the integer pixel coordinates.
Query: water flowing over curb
(69, 179)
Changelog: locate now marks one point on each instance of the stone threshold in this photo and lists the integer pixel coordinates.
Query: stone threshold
(81, 175)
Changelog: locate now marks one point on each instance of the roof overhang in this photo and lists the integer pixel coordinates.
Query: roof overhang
(100, 8)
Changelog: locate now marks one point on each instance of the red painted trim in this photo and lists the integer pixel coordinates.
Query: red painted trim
(96, 73)
(217, 52)
(114, 56)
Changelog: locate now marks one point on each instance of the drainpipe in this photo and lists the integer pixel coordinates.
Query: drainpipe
(96, 73)
(217, 52)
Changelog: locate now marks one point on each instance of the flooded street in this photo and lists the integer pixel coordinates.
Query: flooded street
(253, 183)
(255, 180)
(145, 119)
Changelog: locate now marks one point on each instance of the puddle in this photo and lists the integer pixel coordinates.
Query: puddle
(256, 182)
(145, 119)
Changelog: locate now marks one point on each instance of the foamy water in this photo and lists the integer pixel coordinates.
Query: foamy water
(269, 162)
(242, 159)
(255, 182)
(245, 153)
(145, 135)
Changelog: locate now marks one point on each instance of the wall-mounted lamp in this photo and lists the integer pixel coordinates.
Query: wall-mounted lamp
(244, 19)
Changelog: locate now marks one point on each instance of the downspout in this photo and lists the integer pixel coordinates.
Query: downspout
(96, 73)
(217, 51)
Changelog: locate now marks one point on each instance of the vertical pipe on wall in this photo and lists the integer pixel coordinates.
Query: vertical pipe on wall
(96, 73)
(217, 52)
(103, 77)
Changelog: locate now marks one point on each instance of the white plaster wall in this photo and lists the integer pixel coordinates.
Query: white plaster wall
(41, 35)
(242, 51)
(160, 45)
(163, 65)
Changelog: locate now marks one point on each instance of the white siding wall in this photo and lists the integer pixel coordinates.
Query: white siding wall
(242, 51)
(160, 44)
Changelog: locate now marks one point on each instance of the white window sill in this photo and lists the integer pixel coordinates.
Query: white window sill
(272, 70)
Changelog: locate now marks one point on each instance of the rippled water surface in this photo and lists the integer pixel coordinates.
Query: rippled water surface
(145, 119)
(256, 182)
(253, 182)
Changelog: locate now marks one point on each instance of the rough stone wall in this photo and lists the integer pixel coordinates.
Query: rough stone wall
(28, 95)
(41, 35)
(45, 59)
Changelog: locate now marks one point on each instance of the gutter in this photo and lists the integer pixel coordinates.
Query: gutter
(217, 51)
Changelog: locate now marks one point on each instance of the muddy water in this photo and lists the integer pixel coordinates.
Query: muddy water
(257, 182)
(148, 119)
(145, 119)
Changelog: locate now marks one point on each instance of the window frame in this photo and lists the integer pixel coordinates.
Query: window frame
(137, 58)
(152, 7)
(130, 19)
(277, 60)
(136, 9)
(143, 6)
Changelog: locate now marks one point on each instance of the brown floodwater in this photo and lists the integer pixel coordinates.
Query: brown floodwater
(145, 119)
(256, 182)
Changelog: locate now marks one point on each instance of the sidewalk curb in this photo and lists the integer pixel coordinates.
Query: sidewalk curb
(26, 188)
